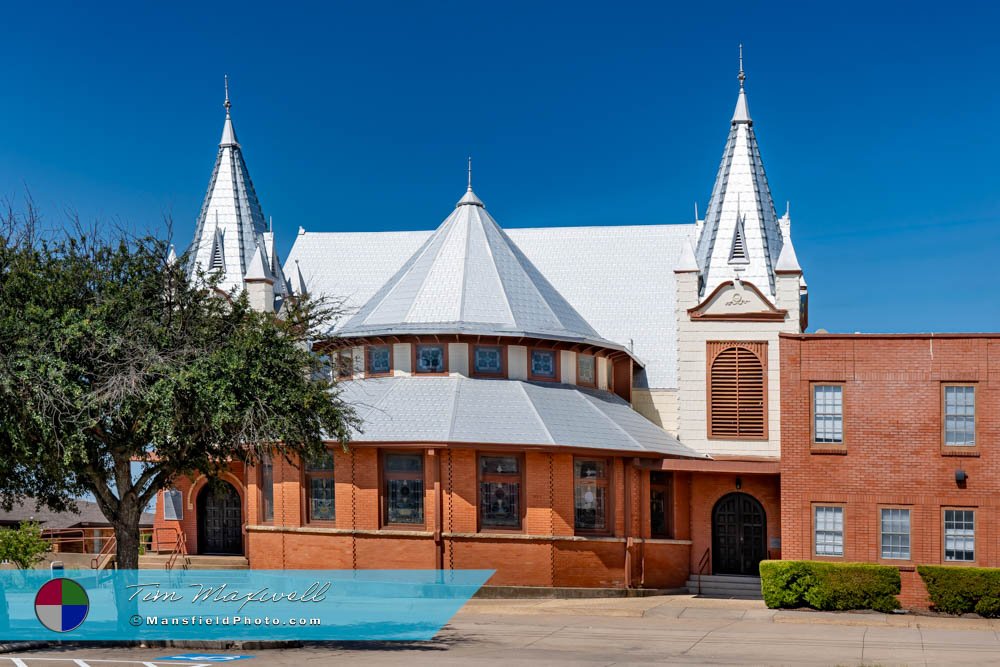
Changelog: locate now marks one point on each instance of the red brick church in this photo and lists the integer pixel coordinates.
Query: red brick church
(570, 406)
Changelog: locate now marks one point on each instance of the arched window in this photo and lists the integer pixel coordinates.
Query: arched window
(737, 390)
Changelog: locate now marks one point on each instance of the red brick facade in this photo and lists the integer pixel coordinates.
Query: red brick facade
(892, 453)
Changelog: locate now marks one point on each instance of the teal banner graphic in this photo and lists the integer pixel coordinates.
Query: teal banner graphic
(122, 605)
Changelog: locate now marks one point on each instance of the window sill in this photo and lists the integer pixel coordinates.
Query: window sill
(954, 450)
(837, 450)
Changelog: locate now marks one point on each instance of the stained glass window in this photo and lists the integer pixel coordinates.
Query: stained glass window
(266, 488)
(404, 488)
(430, 359)
(590, 494)
(499, 491)
(379, 360)
(543, 364)
(487, 359)
(585, 373)
(321, 489)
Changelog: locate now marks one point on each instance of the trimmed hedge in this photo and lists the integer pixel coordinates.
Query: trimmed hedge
(962, 590)
(829, 586)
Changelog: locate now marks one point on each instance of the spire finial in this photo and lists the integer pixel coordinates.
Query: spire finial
(226, 103)
(742, 75)
(470, 173)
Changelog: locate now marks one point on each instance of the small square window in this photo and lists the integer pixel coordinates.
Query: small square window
(828, 414)
(379, 360)
(430, 359)
(487, 360)
(585, 372)
(960, 415)
(960, 536)
(829, 531)
(543, 364)
(896, 533)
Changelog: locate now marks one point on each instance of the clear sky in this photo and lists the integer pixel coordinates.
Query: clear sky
(878, 121)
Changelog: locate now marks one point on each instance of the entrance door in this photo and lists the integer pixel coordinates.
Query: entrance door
(739, 528)
(220, 520)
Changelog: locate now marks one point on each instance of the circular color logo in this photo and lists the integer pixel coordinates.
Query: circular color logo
(61, 605)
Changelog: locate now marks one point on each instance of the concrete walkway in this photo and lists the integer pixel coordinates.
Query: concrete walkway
(665, 630)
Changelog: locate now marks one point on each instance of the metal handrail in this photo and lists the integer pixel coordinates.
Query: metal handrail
(702, 564)
(180, 546)
(105, 553)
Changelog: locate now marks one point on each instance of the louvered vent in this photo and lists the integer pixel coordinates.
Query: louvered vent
(737, 393)
(738, 253)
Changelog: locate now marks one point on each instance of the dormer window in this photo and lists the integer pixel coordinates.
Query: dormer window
(430, 359)
(544, 365)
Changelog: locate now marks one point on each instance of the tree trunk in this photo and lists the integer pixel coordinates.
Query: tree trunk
(127, 536)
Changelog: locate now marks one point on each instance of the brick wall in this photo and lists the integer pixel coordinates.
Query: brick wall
(893, 452)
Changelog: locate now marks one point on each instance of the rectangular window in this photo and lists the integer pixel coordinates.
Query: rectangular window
(585, 370)
(404, 489)
(591, 495)
(344, 360)
(829, 530)
(266, 489)
(661, 505)
(429, 359)
(960, 536)
(320, 489)
(379, 360)
(173, 505)
(828, 414)
(487, 360)
(896, 533)
(500, 480)
(543, 365)
(960, 415)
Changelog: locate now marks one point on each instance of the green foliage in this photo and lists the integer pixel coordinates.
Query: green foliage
(829, 586)
(23, 545)
(110, 353)
(962, 590)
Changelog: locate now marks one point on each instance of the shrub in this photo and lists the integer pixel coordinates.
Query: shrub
(962, 590)
(23, 545)
(829, 586)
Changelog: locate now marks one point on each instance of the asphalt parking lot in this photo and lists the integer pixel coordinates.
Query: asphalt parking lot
(675, 630)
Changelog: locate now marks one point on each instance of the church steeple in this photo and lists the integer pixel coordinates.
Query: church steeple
(231, 225)
(741, 236)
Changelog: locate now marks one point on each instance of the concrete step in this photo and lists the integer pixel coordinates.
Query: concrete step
(726, 586)
(159, 561)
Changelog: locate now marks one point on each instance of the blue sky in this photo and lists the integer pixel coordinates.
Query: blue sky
(877, 122)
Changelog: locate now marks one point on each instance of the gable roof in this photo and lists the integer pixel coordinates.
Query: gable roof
(470, 277)
(620, 279)
(88, 514)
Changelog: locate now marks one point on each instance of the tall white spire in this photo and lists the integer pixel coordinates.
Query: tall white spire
(741, 236)
(231, 224)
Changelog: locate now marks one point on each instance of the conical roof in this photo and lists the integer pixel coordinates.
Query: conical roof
(469, 277)
(231, 222)
(741, 235)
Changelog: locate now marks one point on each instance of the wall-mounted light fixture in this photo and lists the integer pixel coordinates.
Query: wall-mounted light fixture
(739, 483)
(960, 477)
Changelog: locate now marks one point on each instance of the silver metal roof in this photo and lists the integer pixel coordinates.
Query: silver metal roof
(503, 412)
(470, 277)
(741, 204)
(619, 278)
(231, 225)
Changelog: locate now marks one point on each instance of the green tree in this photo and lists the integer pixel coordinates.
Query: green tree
(111, 354)
(23, 545)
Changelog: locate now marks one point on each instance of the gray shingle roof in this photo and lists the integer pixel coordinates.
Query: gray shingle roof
(620, 279)
(503, 412)
(469, 277)
(89, 515)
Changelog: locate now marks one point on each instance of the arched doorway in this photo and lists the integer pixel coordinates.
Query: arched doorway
(739, 531)
(220, 520)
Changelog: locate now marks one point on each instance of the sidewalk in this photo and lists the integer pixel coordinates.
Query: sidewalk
(693, 607)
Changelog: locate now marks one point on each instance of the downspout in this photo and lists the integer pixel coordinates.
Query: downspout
(628, 525)
(643, 505)
(438, 508)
